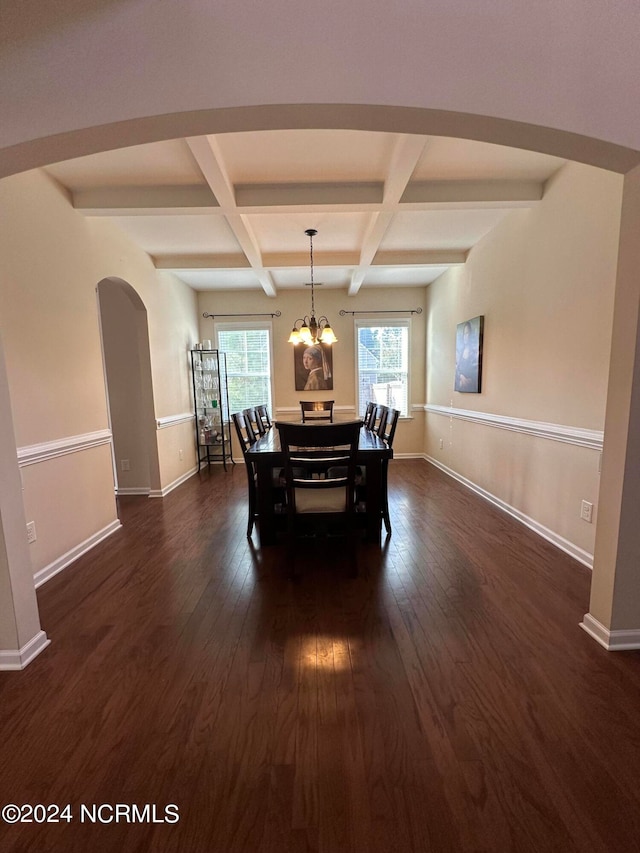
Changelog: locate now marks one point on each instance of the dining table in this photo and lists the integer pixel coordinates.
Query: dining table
(266, 454)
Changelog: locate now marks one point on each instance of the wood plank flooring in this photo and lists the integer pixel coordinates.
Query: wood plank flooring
(445, 700)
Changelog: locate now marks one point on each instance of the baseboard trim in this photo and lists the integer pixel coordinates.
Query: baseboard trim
(612, 641)
(574, 551)
(161, 493)
(16, 659)
(71, 556)
(133, 490)
(410, 456)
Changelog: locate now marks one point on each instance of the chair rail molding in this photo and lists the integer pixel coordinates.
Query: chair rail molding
(174, 420)
(34, 453)
(590, 438)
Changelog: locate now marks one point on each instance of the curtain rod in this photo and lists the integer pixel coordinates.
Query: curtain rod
(212, 316)
(395, 311)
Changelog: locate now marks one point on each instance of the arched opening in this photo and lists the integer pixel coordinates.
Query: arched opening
(409, 120)
(414, 120)
(127, 366)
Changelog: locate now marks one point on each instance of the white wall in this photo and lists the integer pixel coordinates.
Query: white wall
(544, 280)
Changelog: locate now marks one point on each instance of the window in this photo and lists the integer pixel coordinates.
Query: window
(382, 361)
(248, 351)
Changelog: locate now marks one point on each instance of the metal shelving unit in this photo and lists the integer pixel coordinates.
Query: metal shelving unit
(211, 400)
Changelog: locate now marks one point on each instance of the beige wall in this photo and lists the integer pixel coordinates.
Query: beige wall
(51, 260)
(295, 303)
(544, 281)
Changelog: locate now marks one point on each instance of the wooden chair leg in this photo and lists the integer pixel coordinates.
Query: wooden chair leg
(252, 510)
(385, 515)
(385, 501)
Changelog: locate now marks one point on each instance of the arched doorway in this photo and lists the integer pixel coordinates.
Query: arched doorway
(127, 366)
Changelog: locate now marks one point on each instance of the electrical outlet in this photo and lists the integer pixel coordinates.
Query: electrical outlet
(180, 455)
(441, 443)
(124, 465)
(586, 511)
(31, 531)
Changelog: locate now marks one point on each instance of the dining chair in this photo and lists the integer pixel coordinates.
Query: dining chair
(388, 434)
(247, 438)
(320, 504)
(386, 430)
(316, 410)
(368, 415)
(378, 418)
(255, 420)
(263, 414)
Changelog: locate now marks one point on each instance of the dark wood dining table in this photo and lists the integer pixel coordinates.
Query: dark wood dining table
(266, 454)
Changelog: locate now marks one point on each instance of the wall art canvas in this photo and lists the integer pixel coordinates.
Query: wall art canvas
(313, 366)
(469, 356)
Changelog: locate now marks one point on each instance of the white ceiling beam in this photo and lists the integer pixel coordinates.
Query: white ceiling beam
(404, 159)
(302, 195)
(427, 258)
(201, 262)
(358, 198)
(406, 154)
(326, 260)
(207, 153)
(439, 194)
(145, 201)
(289, 260)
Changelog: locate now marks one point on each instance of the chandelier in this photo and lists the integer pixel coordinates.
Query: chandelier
(312, 331)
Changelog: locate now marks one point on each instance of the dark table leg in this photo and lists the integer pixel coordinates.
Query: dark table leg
(374, 500)
(266, 514)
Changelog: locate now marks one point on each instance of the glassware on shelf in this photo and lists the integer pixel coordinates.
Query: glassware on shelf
(210, 398)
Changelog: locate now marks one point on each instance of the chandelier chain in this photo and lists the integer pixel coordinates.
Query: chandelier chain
(313, 307)
(312, 331)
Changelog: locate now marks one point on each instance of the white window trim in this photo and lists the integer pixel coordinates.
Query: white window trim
(237, 326)
(377, 322)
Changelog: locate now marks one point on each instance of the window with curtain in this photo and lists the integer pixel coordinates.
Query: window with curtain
(382, 363)
(248, 352)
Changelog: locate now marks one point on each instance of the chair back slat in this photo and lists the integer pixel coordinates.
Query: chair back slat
(263, 414)
(244, 431)
(369, 413)
(390, 424)
(317, 410)
(251, 414)
(379, 417)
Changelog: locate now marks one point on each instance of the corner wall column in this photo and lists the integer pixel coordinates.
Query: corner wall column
(21, 638)
(614, 609)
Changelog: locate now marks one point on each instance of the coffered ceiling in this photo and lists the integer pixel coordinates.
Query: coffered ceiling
(229, 212)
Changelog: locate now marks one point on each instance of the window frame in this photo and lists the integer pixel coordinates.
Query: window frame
(264, 325)
(377, 323)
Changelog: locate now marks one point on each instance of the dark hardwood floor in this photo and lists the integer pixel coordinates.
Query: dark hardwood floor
(445, 700)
